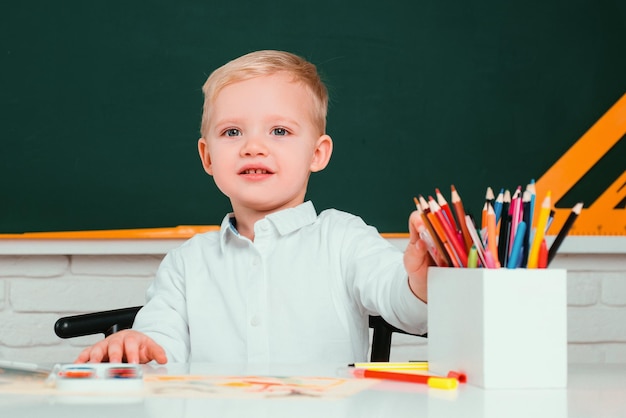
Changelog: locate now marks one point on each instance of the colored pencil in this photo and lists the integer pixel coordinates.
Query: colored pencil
(489, 196)
(518, 244)
(490, 261)
(492, 244)
(544, 212)
(421, 208)
(426, 236)
(564, 231)
(476, 239)
(527, 218)
(515, 212)
(483, 221)
(489, 199)
(503, 231)
(532, 188)
(386, 365)
(459, 248)
(542, 258)
(497, 205)
(460, 215)
(472, 257)
(438, 227)
(550, 219)
(504, 250)
(443, 203)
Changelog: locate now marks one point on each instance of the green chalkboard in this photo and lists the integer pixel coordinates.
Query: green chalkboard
(101, 101)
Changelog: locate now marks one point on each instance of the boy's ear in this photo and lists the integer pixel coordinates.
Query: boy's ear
(321, 154)
(203, 150)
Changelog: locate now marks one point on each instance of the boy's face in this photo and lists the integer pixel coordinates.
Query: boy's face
(261, 143)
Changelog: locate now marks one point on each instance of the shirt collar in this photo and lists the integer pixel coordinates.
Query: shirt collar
(285, 221)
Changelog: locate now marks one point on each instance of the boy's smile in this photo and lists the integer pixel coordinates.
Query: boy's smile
(262, 144)
(255, 172)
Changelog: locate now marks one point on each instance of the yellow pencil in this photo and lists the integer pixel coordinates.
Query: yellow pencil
(533, 255)
(412, 365)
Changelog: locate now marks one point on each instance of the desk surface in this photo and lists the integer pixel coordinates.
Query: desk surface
(593, 391)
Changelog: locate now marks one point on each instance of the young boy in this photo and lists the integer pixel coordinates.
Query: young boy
(277, 283)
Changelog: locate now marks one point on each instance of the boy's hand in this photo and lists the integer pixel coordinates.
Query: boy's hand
(417, 259)
(127, 345)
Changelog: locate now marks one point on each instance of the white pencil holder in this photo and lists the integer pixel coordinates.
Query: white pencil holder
(505, 328)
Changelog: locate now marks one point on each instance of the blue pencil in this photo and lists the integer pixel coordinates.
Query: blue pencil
(516, 251)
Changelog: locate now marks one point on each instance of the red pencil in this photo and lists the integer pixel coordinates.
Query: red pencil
(446, 208)
(460, 214)
(438, 253)
(458, 247)
(438, 227)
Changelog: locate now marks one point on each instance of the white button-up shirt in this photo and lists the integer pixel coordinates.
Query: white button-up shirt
(301, 292)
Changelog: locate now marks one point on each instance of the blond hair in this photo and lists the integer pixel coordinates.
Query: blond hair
(264, 63)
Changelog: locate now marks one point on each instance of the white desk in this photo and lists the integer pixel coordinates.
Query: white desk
(593, 391)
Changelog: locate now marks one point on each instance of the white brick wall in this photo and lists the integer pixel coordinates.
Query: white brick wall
(35, 290)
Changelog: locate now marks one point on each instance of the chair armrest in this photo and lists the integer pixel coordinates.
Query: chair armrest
(105, 322)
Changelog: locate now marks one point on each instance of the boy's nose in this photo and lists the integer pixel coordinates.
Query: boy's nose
(254, 145)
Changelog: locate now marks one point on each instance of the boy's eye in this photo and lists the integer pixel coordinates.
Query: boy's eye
(232, 132)
(279, 131)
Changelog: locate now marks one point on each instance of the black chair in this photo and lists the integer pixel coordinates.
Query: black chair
(105, 322)
(109, 322)
(381, 338)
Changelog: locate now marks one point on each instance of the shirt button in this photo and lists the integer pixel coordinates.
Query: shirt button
(256, 261)
(255, 321)
(264, 226)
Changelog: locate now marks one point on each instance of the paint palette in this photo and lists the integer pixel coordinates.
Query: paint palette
(102, 377)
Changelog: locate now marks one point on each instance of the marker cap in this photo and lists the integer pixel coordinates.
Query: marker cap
(443, 383)
(460, 376)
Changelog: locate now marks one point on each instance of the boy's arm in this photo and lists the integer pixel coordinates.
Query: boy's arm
(377, 277)
(163, 318)
(417, 259)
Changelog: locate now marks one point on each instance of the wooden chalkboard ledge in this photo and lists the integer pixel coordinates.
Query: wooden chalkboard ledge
(177, 232)
(141, 245)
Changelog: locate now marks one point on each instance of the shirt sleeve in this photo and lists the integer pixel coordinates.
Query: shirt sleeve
(164, 316)
(377, 280)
